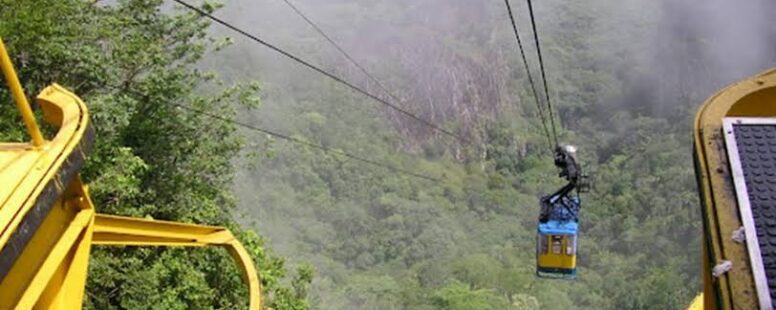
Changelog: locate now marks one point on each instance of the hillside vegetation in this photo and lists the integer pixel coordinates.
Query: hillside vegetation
(625, 78)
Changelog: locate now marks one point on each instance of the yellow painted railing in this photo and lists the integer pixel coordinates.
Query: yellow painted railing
(48, 223)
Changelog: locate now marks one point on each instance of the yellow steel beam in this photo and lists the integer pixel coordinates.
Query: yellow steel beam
(34, 177)
(117, 230)
(47, 220)
(66, 289)
(44, 211)
(18, 94)
(69, 281)
(57, 254)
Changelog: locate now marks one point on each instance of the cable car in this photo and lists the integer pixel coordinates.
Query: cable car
(558, 228)
(556, 248)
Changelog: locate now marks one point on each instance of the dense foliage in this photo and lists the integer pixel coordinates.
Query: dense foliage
(625, 78)
(133, 64)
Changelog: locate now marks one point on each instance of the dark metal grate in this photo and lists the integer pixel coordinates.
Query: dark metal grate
(757, 153)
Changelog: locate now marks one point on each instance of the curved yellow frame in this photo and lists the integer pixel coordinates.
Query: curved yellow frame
(48, 223)
(119, 230)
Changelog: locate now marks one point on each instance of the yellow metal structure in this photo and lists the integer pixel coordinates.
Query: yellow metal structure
(118, 230)
(48, 223)
(735, 288)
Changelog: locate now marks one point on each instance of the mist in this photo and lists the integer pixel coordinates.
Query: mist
(618, 71)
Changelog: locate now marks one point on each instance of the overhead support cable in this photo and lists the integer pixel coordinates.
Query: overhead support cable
(310, 144)
(541, 67)
(288, 138)
(321, 71)
(342, 51)
(530, 77)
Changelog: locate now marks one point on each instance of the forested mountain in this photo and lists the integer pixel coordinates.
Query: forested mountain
(625, 78)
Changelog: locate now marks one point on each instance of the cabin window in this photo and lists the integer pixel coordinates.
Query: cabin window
(542, 244)
(571, 245)
(556, 244)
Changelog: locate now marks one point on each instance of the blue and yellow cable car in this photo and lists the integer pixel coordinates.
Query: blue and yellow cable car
(556, 241)
(556, 249)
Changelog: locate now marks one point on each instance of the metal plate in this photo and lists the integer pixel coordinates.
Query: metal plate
(751, 147)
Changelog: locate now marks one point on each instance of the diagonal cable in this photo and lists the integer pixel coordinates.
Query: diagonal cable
(342, 51)
(289, 138)
(528, 72)
(310, 144)
(319, 70)
(541, 67)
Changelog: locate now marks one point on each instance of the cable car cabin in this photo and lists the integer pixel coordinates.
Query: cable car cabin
(556, 248)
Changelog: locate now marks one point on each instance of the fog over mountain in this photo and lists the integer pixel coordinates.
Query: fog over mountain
(625, 78)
